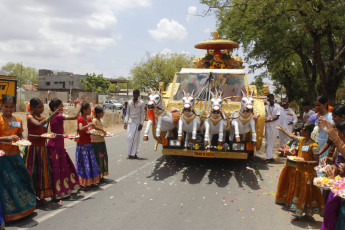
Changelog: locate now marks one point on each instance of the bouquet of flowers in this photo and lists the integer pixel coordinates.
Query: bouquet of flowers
(71, 136)
(324, 182)
(22, 142)
(99, 133)
(107, 135)
(295, 158)
(94, 132)
(48, 135)
(321, 168)
(338, 187)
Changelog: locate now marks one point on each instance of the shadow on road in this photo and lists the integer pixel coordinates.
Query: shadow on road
(26, 222)
(220, 171)
(307, 223)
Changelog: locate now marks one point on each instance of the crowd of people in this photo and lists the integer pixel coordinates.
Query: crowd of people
(46, 170)
(318, 142)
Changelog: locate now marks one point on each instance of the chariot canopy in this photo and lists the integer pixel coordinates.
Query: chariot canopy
(216, 43)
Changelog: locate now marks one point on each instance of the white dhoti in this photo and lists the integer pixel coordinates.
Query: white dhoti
(283, 138)
(133, 138)
(270, 138)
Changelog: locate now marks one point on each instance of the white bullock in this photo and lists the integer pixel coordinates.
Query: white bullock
(243, 122)
(163, 118)
(189, 121)
(216, 122)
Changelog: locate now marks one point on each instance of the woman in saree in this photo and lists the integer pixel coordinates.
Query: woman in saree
(303, 197)
(334, 208)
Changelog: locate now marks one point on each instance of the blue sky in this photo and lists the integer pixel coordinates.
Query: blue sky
(101, 36)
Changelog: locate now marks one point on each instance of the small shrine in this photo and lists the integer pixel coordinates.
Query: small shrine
(218, 54)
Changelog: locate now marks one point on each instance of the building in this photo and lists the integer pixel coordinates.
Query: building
(60, 82)
(28, 87)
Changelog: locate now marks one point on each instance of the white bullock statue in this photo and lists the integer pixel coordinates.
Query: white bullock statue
(163, 119)
(216, 121)
(243, 121)
(189, 121)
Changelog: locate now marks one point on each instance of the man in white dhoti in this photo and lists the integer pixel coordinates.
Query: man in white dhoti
(135, 116)
(287, 120)
(272, 116)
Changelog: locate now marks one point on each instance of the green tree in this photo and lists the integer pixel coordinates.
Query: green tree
(259, 83)
(26, 75)
(274, 32)
(340, 98)
(95, 83)
(158, 68)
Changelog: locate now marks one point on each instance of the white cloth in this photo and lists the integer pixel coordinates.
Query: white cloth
(135, 112)
(270, 138)
(307, 115)
(286, 116)
(133, 138)
(271, 112)
(270, 128)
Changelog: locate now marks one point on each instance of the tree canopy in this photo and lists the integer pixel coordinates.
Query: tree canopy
(158, 68)
(26, 75)
(95, 83)
(301, 43)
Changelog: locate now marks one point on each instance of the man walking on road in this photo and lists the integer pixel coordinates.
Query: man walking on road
(287, 120)
(272, 116)
(135, 116)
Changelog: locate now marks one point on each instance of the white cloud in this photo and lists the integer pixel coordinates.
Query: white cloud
(168, 30)
(56, 28)
(124, 4)
(191, 13)
(185, 52)
(166, 51)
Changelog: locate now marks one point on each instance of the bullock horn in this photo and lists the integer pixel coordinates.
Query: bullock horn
(193, 92)
(184, 93)
(212, 95)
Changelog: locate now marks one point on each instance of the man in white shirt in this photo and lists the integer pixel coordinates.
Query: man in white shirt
(135, 116)
(307, 112)
(272, 120)
(287, 120)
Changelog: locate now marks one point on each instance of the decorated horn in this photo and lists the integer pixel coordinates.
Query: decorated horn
(212, 95)
(184, 93)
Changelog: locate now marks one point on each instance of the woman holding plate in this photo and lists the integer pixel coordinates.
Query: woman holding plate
(304, 197)
(17, 195)
(333, 204)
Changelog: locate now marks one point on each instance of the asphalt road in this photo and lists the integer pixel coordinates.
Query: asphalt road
(157, 192)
